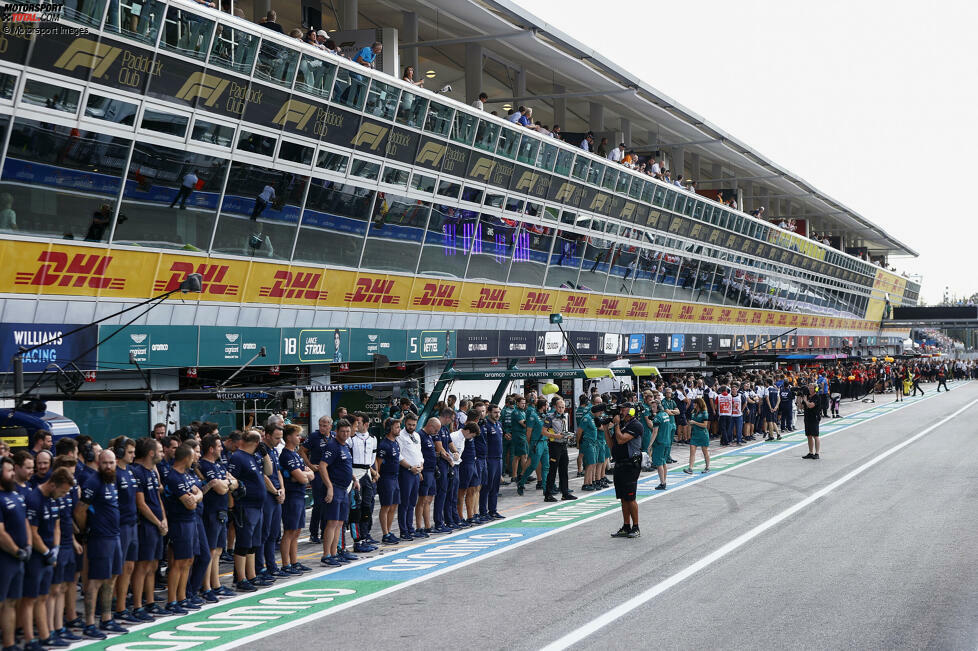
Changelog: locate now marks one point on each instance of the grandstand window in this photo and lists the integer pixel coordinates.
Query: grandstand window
(547, 157)
(486, 135)
(565, 161)
(365, 169)
(315, 76)
(8, 84)
(448, 240)
(233, 49)
(395, 176)
(580, 169)
(111, 109)
(139, 20)
(382, 100)
(395, 233)
(56, 97)
(411, 110)
(423, 183)
(530, 253)
(276, 63)
(256, 143)
(163, 122)
(565, 260)
(527, 152)
(334, 223)
(295, 153)
(492, 248)
(439, 119)
(332, 161)
(349, 88)
(187, 33)
(464, 129)
(509, 142)
(85, 11)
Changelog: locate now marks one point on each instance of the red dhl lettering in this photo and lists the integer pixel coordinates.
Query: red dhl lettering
(295, 285)
(725, 315)
(794, 320)
(706, 314)
(686, 313)
(609, 307)
(756, 317)
(782, 319)
(212, 276)
(81, 270)
(576, 305)
(436, 295)
(536, 302)
(491, 299)
(741, 316)
(373, 291)
(664, 311)
(638, 310)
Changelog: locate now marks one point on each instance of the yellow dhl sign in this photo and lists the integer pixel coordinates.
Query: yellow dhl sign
(54, 269)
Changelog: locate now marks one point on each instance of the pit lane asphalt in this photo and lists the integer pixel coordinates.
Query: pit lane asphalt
(885, 561)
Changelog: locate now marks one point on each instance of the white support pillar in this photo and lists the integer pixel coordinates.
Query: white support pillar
(409, 34)
(694, 166)
(747, 192)
(560, 108)
(473, 71)
(348, 15)
(678, 162)
(520, 86)
(652, 137)
(625, 127)
(320, 402)
(595, 117)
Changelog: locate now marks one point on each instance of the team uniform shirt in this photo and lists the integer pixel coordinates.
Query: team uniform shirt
(147, 483)
(515, 427)
(481, 445)
(67, 509)
(589, 430)
(82, 473)
(736, 405)
(772, 397)
(103, 519)
(506, 419)
(339, 465)
(176, 485)
(13, 511)
(724, 403)
(125, 483)
(535, 425)
(314, 444)
(389, 453)
(163, 467)
(428, 450)
(288, 461)
(492, 435)
(364, 449)
(669, 404)
(410, 445)
(468, 451)
(458, 438)
(247, 470)
(213, 501)
(273, 476)
(42, 512)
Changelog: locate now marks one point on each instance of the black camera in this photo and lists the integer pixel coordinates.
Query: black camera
(600, 417)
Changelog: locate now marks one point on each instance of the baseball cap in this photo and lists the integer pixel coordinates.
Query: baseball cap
(322, 33)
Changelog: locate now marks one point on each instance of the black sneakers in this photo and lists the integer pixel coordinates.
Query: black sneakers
(634, 533)
(623, 532)
(815, 456)
(809, 456)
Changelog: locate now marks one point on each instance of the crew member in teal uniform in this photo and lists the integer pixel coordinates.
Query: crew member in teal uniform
(647, 413)
(518, 442)
(587, 434)
(673, 410)
(539, 452)
(699, 436)
(506, 420)
(662, 443)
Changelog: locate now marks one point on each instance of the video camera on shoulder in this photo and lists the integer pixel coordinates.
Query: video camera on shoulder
(600, 415)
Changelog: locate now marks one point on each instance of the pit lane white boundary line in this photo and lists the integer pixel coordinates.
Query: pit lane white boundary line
(598, 623)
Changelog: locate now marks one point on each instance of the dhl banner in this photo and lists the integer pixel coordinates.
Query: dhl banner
(54, 269)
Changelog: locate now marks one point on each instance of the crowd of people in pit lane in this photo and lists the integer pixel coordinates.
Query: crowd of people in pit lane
(160, 514)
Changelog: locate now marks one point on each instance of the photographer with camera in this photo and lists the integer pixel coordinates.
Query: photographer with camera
(624, 436)
(808, 401)
(557, 439)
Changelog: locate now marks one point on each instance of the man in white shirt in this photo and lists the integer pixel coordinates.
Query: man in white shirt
(616, 154)
(516, 115)
(655, 170)
(587, 142)
(364, 447)
(480, 103)
(187, 187)
(264, 198)
(409, 477)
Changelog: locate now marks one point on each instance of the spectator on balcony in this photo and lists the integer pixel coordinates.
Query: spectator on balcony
(588, 141)
(617, 154)
(311, 39)
(655, 169)
(330, 46)
(516, 115)
(321, 37)
(555, 132)
(602, 150)
(679, 181)
(408, 76)
(268, 22)
(480, 102)
(367, 56)
(296, 34)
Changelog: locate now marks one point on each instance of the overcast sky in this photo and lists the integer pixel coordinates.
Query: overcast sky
(873, 102)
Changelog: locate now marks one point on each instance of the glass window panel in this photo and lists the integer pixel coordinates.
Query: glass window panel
(8, 83)
(567, 217)
(170, 198)
(187, 33)
(173, 125)
(623, 180)
(509, 141)
(463, 130)
(350, 88)
(688, 208)
(514, 204)
(256, 143)
(329, 160)
(680, 202)
(233, 49)
(448, 241)
(365, 169)
(648, 190)
(276, 63)
(533, 209)
(51, 96)
(61, 182)
(527, 153)
(396, 176)
(411, 110)
(580, 168)
(260, 212)
(610, 179)
(449, 189)
(111, 110)
(492, 249)
(334, 223)
(216, 134)
(635, 189)
(565, 260)
(439, 119)
(495, 200)
(423, 183)
(315, 75)
(382, 100)
(139, 20)
(551, 213)
(296, 153)
(547, 156)
(395, 233)
(660, 195)
(530, 253)
(565, 161)
(486, 135)
(594, 173)
(471, 194)
(87, 12)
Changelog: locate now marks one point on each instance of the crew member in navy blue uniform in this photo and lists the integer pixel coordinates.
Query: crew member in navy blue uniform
(42, 468)
(16, 549)
(217, 485)
(64, 581)
(481, 463)
(312, 454)
(387, 465)
(409, 477)
(202, 555)
(336, 470)
(492, 436)
(98, 509)
(444, 470)
(784, 392)
(244, 467)
(272, 509)
(181, 497)
(296, 476)
(23, 471)
(43, 504)
(469, 480)
(125, 451)
(150, 528)
(427, 489)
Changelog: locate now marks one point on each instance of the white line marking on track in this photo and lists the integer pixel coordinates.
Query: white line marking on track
(598, 623)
